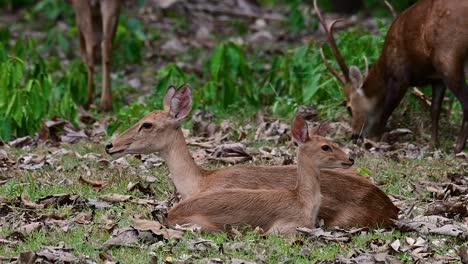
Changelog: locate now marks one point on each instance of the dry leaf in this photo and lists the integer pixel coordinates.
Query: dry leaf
(463, 253)
(29, 228)
(126, 236)
(21, 142)
(97, 185)
(156, 228)
(83, 218)
(107, 258)
(57, 254)
(30, 204)
(115, 197)
(27, 258)
(108, 225)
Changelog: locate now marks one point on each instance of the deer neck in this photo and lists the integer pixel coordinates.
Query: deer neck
(308, 183)
(375, 80)
(183, 170)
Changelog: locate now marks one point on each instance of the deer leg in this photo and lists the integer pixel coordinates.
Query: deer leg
(454, 80)
(87, 53)
(83, 18)
(438, 90)
(89, 60)
(109, 11)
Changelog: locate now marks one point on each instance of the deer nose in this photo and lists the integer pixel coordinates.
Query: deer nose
(351, 160)
(109, 146)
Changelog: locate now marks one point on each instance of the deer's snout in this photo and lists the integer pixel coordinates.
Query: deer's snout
(109, 146)
(351, 160)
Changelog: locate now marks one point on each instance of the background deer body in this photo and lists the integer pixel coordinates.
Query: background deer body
(366, 206)
(426, 44)
(97, 22)
(277, 210)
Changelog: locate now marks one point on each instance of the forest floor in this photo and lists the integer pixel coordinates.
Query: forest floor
(62, 199)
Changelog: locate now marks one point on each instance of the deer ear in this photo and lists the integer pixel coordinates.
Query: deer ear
(322, 129)
(181, 103)
(299, 130)
(167, 98)
(356, 77)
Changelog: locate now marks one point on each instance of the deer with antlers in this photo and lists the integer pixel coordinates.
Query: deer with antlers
(426, 44)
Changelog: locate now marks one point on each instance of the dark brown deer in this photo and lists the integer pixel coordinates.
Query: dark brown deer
(279, 210)
(426, 44)
(97, 23)
(160, 131)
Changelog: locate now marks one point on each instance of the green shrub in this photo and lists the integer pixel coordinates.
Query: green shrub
(128, 42)
(23, 96)
(30, 92)
(231, 82)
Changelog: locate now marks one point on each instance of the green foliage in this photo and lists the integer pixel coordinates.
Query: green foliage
(230, 78)
(169, 75)
(23, 95)
(127, 116)
(30, 92)
(53, 9)
(298, 76)
(128, 42)
(295, 20)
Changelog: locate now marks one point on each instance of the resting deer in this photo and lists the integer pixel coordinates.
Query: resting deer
(97, 23)
(160, 132)
(275, 210)
(426, 44)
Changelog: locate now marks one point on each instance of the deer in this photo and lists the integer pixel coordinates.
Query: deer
(97, 22)
(426, 44)
(274, 210)
(160, 132)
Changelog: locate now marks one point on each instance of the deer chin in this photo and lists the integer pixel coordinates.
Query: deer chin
(342, 165)
(117, 153)
(346, 165)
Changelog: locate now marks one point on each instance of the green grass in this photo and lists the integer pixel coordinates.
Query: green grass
(87, 239)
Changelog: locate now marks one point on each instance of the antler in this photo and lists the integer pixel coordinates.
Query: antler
(331, 41)
(366, 72)
(331, 69)
(390, 7)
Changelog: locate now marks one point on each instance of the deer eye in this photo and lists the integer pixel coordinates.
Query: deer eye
(147, 125)
(326, 148)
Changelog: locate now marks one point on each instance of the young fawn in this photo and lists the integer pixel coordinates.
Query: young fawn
(160, 132)
(97, 22)
(275, 210)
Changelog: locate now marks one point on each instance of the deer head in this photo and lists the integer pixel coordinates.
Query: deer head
(316, 149)
(158, 129)
(361, 106)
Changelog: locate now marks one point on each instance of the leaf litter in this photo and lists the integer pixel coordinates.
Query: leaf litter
(439, 210)
(443, 213)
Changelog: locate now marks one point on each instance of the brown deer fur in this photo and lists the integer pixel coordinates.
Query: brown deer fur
(426, 44)
(97, 23)
(366, 205)
(275, 210)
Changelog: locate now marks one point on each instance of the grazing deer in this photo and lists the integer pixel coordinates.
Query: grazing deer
(160, 132)
(97, 23)
(426, 44)
(274, 210)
